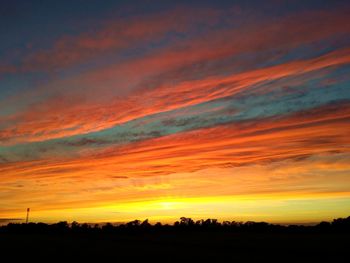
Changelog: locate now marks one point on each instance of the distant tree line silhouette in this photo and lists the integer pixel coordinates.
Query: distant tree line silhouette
(184, 224)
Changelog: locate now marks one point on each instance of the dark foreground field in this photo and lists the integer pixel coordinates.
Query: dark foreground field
(178, 244)
(178, 247)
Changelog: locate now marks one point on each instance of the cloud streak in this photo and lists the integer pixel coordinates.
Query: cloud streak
(83, 119)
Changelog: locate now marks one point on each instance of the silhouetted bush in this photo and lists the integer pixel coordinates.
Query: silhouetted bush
(185, 224)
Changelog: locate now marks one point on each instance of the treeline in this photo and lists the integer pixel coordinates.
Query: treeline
(184, 224)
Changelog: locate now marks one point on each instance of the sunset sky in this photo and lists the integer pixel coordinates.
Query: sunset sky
(123, 110)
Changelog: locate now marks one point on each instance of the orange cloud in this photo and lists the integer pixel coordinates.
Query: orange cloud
(120, 34)
(117, 35)
(62, 116)
(299, 136)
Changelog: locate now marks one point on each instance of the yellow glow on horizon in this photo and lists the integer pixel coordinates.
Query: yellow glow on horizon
(277, 208)
(281, 192)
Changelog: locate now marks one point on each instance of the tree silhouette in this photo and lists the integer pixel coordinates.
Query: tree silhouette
(339, 225)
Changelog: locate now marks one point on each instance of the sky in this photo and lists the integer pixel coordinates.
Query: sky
(122, 110)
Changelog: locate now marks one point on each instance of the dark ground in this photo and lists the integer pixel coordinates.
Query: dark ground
(178, 247)
(184, 241)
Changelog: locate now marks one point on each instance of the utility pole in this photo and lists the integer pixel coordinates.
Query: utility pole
(28, 209)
